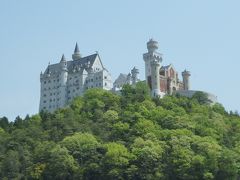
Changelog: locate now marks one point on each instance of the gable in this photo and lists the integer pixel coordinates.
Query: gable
(97, 63)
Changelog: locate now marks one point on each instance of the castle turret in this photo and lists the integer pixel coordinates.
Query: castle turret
(155, 78)
(152, 46)
(76, 55)
(135, 73)
(186, 84)
(152, 66)
(63, 81)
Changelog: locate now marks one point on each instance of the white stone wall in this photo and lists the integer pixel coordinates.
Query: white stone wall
(190, 93)
(60, 87)
(51, 96)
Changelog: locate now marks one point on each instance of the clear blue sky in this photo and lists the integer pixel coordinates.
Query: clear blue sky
(202, 36)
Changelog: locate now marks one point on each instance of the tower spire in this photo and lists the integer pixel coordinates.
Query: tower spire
(63, 58)
(76, 55)
(76, 51)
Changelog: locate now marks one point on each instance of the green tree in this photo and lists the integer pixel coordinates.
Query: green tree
(60, 165)
(116, 161)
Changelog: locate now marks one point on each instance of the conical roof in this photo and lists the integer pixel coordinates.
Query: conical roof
(76, 50)
(63, 58)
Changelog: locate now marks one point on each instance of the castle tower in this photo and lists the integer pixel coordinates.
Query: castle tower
(186, 84)
(155, 78)
(135, 73)
(63, 81)
(152, 66)
(76, 55)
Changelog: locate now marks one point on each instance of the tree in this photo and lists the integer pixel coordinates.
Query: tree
(60, 165)
(4, 123)
(11, 166)
(116, 161)
(201, 97)
(148, 159)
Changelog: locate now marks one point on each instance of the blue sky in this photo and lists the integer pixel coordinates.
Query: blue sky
(202, 36)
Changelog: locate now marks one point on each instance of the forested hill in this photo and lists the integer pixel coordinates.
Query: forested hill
(107, 136)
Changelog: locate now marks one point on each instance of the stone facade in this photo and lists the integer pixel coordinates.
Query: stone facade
(162, 79)
(130, 78)
(63, 81)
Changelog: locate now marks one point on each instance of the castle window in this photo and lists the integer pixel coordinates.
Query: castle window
(105, 77)
(57, 80)
(44, 101)
(50, 100)
(105, 84)
(99, 84)
(162, 73)
(91, 80)
(45, 82)
(49, 81)
(69, 92)
(44, 95)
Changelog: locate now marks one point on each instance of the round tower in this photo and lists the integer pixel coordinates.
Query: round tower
(135, 73)
(64, 71)
(63, 82)
(186, 84)
(76, 55)
(150, 56)
(155, 78)
(152, 45)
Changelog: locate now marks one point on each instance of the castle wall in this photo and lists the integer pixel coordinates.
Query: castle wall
(57, 90)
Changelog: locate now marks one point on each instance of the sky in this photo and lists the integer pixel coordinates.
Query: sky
(200, 35)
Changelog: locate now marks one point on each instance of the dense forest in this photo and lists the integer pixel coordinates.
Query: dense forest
(102, 135)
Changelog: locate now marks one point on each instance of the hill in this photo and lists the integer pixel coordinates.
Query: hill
(107, 136)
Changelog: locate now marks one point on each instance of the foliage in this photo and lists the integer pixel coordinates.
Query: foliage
(102, 135)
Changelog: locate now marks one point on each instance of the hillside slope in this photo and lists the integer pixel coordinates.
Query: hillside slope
(106, 136)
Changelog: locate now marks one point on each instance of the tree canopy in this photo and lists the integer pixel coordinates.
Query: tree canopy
(102, 135)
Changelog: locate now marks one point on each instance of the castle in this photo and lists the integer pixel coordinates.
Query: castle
(63, 81)
(162, 80)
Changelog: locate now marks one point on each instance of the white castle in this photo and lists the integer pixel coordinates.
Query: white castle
(63, 81)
